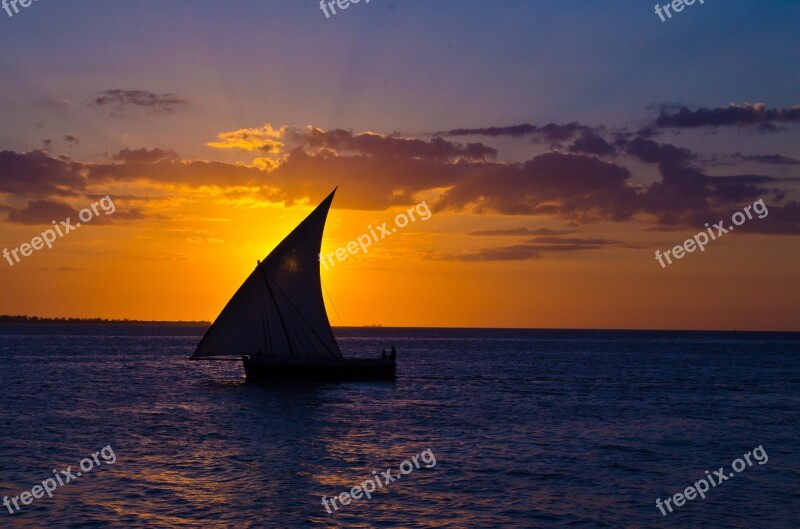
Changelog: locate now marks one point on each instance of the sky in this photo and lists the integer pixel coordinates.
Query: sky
(558, 146)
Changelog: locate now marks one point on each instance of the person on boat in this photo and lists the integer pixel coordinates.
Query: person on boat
(383, 354)
(393, 354)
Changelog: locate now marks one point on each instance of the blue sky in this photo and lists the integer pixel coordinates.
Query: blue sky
(411, 66)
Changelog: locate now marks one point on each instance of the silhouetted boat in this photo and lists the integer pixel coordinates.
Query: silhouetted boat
(276, 322)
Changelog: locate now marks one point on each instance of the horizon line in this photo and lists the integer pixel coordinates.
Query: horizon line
(9, 319)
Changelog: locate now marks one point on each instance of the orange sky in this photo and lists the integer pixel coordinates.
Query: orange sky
(188, 268)
(554, 169)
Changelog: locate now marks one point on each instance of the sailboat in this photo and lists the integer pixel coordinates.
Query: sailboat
(276, 322)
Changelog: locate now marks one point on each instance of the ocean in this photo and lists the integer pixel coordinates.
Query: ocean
(527, 428)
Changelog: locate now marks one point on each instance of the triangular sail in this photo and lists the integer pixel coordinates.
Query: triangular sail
(279, 309)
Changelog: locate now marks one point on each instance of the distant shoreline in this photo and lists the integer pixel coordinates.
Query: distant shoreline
(95, 321)
(104, 321)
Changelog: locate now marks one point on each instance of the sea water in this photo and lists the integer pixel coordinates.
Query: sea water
(529, 429)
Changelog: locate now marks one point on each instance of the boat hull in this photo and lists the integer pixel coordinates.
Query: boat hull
(317, 369)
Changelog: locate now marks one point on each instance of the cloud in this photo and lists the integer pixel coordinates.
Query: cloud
(263, 139)
(119, 101)
(782, 220)
(554, 132)
(747, 179)
(516, 131)
(676, 169)
(519, 252)
(590, 143)
(71, 140)
(44, 211)
(575, 241)
(559, 184)
(521, 231)
(192, 173)
(772, 159)
(541, 246)
(733, 115)
(650, 151)
(41, 212)
(551, 133)
(685, 193)
(372, 144)
(384, 171)
(37, 174)
(586, 139)
(145, 155)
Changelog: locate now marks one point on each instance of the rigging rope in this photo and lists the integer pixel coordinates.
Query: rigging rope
(332, 303)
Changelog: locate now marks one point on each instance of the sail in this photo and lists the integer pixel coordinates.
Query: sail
(279, 310)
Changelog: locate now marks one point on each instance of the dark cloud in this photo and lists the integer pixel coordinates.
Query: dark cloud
(540, 246)
(522, 231)
(41, 212)
(519, 252)
(747, 179)
(71, 140)
(769, 128)
(550, 133)
(650, 151)
(782, 220)
(385, 171)
(121, 100)
(44, 211)
(733, 115)
(145, 155)
(393, 147)
(685, 191)
(675, 165)
(771, 159)
(573, 241)
(37, 174)
(564, 247)
(566, 185)
(191, 173)
(554, 133)
(590, 143)
(516, 131)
